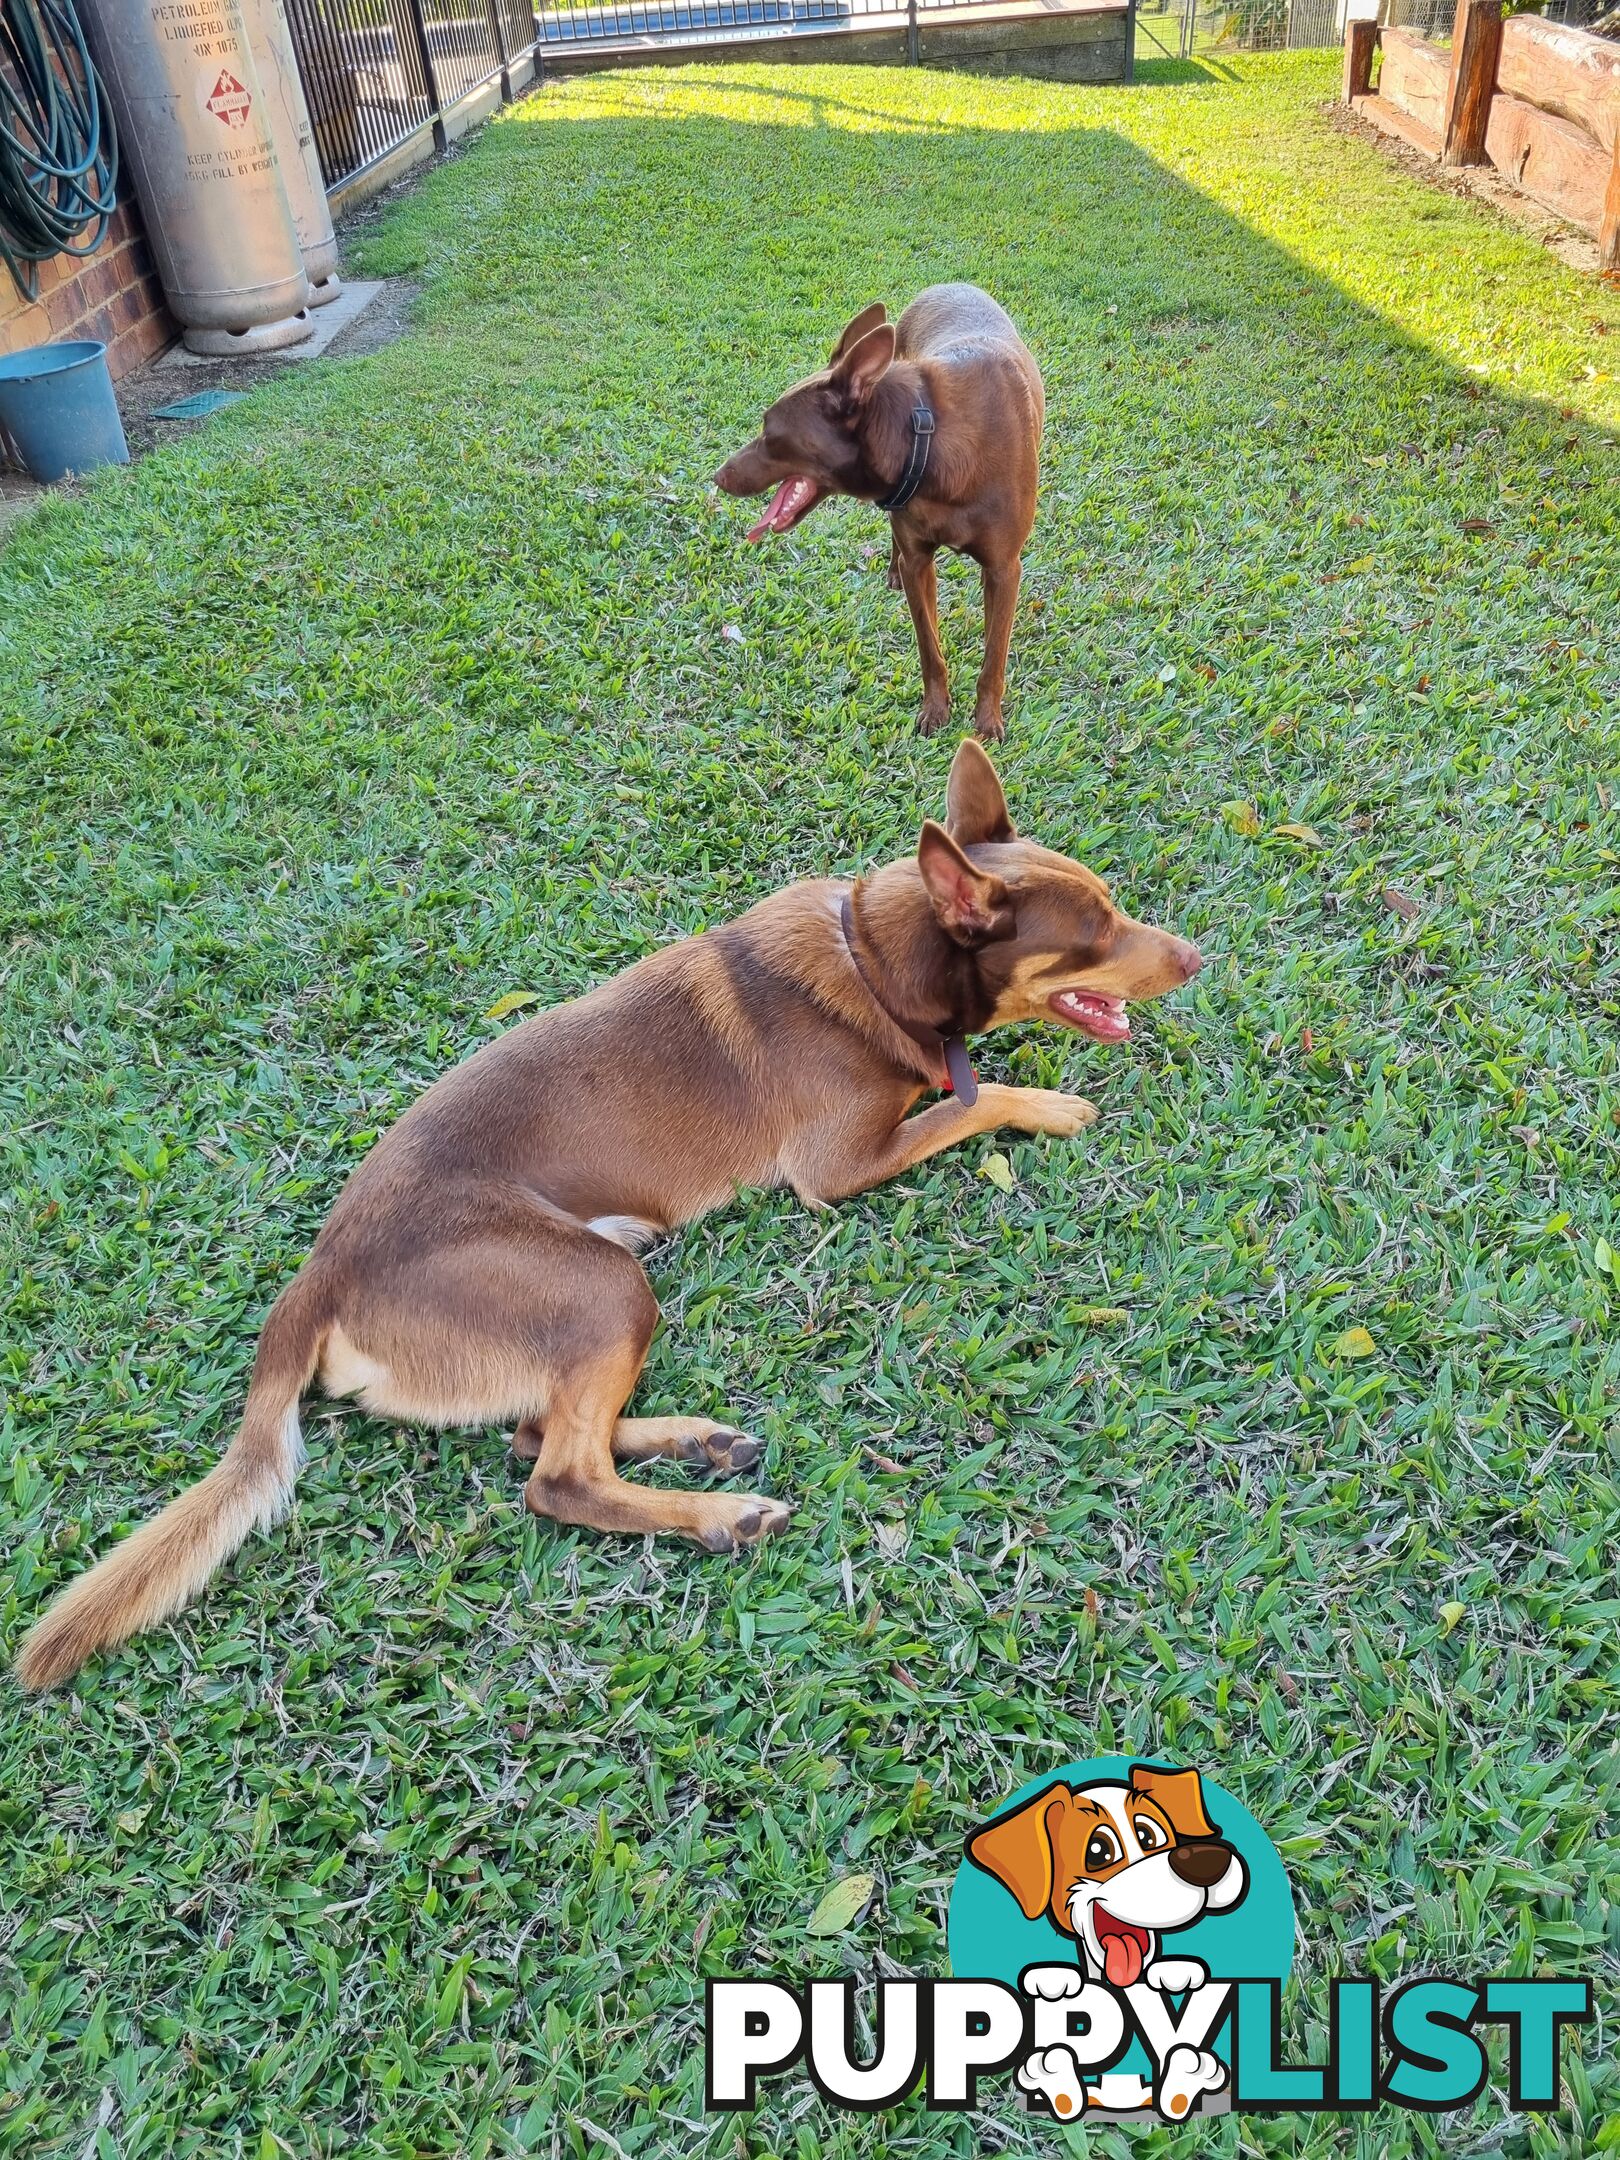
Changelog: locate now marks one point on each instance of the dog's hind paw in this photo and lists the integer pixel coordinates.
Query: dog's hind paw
(1188, 2074)
(732, 1524)
(725, 1449)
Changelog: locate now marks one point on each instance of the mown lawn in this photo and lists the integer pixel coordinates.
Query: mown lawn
(407, 684)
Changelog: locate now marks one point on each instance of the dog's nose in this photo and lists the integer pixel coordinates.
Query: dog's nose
(1201, 1864)
(722, 479)
(1191, 961)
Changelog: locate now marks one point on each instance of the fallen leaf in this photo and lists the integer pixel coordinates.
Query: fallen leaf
(1307, 1040)
(1478, 525)
(514, 1001)
(1167, 674)
(1355, 1342)
(1306, 835)
(1450, 1613)
(1104, 1316)
(1093, 1603)
(1604, 1254)
(1358, 568)
(731, 634)
(1241, 818)
(999, 1171)
(1401, 904)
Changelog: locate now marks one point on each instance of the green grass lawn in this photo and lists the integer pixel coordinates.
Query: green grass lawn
(412, 681)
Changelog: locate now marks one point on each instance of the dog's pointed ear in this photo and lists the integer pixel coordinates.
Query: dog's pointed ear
(862, 366)
(1181, 1795)
(1017, 1849)
(975, 808)
(857, 327)
(972, 906)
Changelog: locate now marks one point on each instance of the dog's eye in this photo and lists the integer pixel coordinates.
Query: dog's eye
(1149, 1834)
(1101, 1849)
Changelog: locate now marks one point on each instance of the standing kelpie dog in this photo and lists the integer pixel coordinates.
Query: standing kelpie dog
(479, 1265)
(936, 419)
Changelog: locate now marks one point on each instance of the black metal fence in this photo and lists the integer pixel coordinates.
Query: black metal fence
(379, 72)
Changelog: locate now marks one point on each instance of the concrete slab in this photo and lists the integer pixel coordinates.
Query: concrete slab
(330, 322)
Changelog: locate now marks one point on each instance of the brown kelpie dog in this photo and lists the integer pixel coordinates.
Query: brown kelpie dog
(480, 1266)
(936, 419)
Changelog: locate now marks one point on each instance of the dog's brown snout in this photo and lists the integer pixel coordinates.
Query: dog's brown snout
(1191, 960)
(1204, 1863)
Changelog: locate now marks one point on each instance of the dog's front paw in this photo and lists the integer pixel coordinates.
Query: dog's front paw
(988, 723)
(1046, 1110)
(1174, 1976)
(935, 713)
(1188, 2074)
(1053, 1983)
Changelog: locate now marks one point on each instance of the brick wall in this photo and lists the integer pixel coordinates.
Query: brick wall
(111, 295)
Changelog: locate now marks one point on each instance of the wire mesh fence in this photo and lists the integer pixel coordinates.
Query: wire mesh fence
(1184, 28)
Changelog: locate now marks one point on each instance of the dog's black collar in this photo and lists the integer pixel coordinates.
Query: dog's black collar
(922, 441)
(951, 1050)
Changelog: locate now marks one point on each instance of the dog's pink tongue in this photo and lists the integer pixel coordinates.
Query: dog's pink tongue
(768, 522)
(1122, 1960)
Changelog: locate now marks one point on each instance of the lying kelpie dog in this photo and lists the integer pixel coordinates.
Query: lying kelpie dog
(936, 419)
(479, 1265)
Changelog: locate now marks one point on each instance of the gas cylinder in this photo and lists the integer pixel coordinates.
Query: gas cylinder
(294, 138)
(194, 135)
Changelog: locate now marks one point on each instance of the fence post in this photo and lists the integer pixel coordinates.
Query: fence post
(498, 31)
(1130, 42)
(1608, 238)
(413, 8)
(1360, 37)
(913, 43)
(1476, 45)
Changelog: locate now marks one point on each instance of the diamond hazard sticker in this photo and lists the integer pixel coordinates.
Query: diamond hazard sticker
(229, 100)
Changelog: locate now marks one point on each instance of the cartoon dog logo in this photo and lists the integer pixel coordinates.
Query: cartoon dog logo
(1115, 1866)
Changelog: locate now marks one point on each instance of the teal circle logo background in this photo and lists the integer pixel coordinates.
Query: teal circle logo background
(988, 1938)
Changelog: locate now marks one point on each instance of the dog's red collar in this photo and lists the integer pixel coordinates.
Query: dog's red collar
(947, 1051)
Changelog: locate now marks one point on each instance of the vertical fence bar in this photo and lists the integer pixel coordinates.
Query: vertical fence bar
(424, 53)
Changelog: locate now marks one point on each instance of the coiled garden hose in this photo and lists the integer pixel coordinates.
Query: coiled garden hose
(58, 144)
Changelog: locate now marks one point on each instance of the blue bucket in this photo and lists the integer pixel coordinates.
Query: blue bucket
(57, 405)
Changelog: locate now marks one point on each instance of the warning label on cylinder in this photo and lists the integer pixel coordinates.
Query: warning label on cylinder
(228, 100)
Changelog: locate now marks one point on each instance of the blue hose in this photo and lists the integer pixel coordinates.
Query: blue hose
(58, 145)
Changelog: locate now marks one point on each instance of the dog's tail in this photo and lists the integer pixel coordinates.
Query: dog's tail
(168, 1560)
